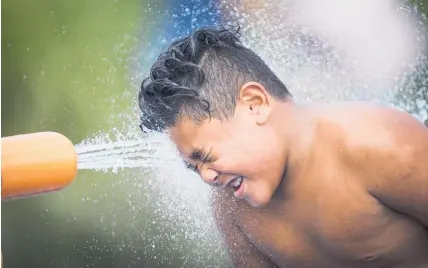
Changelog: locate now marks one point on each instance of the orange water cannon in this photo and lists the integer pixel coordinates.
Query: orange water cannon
(36, 163)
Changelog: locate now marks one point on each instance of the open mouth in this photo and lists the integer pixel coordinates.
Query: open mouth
(236, 183)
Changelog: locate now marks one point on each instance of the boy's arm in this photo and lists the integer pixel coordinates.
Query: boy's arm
(242, 253)
(392, 149)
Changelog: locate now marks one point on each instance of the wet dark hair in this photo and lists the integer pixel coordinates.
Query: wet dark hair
(199, 77)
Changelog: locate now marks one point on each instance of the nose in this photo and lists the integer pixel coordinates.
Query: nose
(209, 176)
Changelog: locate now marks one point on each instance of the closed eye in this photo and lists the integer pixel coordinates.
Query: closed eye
(198, 164)
(190, 166)
(200, 159)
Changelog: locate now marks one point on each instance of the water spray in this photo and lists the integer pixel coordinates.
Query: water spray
(36, 163)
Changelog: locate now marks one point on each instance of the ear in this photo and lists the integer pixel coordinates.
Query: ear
(254, 98)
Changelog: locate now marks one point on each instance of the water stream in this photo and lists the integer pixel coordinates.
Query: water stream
(117, 155)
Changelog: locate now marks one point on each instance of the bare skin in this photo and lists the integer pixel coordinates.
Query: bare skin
(352, 190)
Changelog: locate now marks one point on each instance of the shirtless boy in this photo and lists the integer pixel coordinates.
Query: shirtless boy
(334, 185)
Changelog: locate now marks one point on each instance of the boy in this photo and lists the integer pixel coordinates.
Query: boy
(337, 185)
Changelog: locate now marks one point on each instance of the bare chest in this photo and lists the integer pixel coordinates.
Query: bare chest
(342, 229)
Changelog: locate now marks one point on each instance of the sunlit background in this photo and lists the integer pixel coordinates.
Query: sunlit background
(75, 67)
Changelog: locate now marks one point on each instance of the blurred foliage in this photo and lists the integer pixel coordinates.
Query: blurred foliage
(64, 70)
(69, 67)
(64, 58)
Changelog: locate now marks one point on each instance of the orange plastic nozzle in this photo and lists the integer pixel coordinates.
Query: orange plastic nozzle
(36, 163)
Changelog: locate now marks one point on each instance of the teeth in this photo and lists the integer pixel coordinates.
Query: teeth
(236, 182)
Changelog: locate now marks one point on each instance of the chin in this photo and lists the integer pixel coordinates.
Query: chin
(259, 201)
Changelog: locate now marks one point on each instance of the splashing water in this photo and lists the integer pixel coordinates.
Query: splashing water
(176, 201)
(321, 53)
(334, 50)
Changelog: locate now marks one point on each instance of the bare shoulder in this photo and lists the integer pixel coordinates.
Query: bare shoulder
(383, 148)
(374, 137)
(387, 149)
(360, 125)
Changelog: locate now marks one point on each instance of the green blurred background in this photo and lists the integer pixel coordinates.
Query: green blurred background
(74, 67)
(68, 66)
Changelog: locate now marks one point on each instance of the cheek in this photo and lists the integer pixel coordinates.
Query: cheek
(263, 156)
(242, 161)
(247, 152)
(233, 159)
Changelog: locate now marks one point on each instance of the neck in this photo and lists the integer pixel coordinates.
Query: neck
(295, 121)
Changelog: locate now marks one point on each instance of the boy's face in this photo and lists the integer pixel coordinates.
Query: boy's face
(244, 153)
